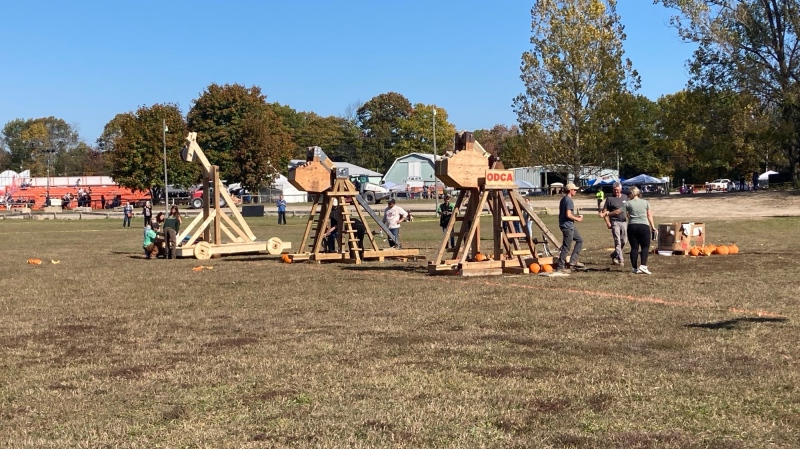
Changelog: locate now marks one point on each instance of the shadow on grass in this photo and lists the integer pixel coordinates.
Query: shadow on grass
(732, 324)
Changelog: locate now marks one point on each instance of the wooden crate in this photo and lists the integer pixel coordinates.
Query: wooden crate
(465, 169)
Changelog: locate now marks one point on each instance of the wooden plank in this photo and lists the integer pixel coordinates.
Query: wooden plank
(516, 270)
(473, 230)
(391, 253)
(202, 229)
(516, 235)
(239, 248)
(511, 218)
(217, 210)
(467, 272)
(242, 236)
(520, 252)
(197, 219)
(327, 256)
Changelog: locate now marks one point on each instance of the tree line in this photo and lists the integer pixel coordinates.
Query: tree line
(739, 112)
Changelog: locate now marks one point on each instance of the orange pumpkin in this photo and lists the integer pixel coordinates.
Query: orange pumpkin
(695, 251)
(479, 257)
(723, 250)
(547, 268)
(286, 259)
(535, 268)
(34, 261)
(733, 249)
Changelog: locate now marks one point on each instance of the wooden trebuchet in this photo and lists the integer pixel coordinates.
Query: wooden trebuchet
(214, 232)
(336, 197)
(483, 183)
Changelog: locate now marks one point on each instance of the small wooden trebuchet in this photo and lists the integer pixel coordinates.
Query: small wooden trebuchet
(208, 230)
(483, 182)
(337, 197)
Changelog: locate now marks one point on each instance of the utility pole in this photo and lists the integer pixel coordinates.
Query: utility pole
(435, 180)
(166, 189)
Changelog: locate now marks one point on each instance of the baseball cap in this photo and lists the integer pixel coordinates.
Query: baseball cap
(571, 186)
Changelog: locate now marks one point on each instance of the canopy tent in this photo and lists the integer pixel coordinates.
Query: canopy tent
(522, 184)
(606, 181)
(765, 176)
(642, 180)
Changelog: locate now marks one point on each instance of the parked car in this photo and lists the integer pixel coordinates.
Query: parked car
(718, 184)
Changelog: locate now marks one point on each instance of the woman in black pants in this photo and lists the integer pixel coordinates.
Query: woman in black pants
(640, 230)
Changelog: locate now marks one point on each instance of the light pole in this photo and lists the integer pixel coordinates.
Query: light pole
(435, 180)
(166, 188)
(49, 151)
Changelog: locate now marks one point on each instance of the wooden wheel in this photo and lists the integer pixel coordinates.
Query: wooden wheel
(274, 246)
(202, 251)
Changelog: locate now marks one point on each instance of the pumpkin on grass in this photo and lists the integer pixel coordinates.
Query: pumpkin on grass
(723, 250)
(286, 259)
(733, 249)
(479, 257)
(535, 268)
(547, 268)
(695, 251)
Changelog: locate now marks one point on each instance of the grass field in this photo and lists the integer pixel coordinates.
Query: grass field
(107, 350)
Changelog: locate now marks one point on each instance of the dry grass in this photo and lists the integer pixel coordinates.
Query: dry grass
(108, 350)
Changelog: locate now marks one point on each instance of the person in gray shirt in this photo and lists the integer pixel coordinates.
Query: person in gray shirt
(613, 212)
(566, 223)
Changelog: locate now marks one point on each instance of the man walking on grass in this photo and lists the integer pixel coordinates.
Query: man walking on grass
(566, 223)
(614, 214)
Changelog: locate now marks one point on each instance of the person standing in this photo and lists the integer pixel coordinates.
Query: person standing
(445, 211)
(127, 214)
(566, 223)
(147, 213)
(393, 215)
(172, 225)
(281, 210)
(102, 202)
(600, 196)
(613, 213)
(640, 230)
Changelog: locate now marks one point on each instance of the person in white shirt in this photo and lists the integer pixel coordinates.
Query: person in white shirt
(392, 217)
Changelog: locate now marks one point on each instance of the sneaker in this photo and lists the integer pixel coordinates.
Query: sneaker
(621, 263)
(563, 270)
(635, 271)
(643, 270)
(577, 265)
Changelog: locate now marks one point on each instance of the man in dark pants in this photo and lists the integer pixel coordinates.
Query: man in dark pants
(172, 225)
(566, 222)
(281, 210)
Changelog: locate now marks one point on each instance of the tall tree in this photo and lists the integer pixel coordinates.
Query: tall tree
(241, 134)
(506, 142)
(32, 142)
(136, 150)
(575, 67)
(381, 120)
(751, 47)
(418, 129)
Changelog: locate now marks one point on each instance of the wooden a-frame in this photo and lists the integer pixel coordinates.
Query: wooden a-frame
(213, 231)
(343, 202)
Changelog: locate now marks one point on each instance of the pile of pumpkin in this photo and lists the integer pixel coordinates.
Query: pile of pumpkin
(535, 268)
(707, 250)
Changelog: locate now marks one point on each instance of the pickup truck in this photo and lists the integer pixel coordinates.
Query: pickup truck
(718, 184)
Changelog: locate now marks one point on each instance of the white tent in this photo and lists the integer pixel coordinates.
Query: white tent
(765, 176)
(289, 192)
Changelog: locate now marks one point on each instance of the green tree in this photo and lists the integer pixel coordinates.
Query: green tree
(31, 142)
(135, 148)
(749, 47)
(711, 134)
(575, 67)
(418, 131)
(381, 120)
(506, 142)
(241, 134)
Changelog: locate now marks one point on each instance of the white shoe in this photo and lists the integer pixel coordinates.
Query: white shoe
(643, 270)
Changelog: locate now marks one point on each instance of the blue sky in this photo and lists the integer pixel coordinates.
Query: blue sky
(86, 61)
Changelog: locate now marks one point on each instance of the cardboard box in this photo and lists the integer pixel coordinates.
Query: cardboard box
(681, 236)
